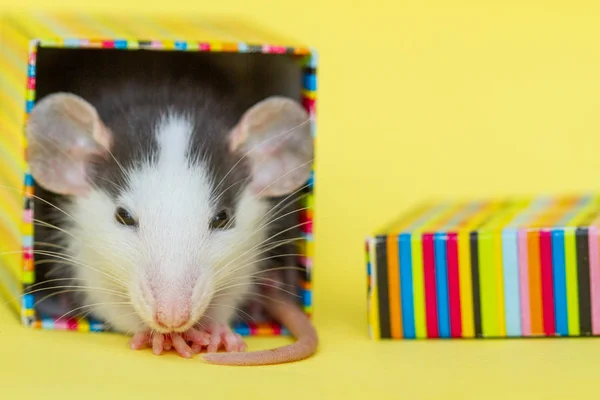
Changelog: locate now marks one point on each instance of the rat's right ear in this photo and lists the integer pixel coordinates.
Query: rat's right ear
(276, 137)
(64, 134)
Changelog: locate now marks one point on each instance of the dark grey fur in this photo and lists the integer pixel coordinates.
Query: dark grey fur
(131, 90)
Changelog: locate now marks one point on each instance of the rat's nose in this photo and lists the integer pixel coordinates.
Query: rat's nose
(173, 318)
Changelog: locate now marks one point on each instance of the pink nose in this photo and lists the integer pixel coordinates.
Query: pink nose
(172, 319)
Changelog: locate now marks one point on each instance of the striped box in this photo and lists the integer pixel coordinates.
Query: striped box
(23, 38)
(487, 269)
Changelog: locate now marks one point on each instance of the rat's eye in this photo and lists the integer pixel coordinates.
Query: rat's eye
(124, 217)
(220, 220)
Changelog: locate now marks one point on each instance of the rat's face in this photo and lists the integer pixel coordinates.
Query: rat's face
(173, 231)
(178, 229)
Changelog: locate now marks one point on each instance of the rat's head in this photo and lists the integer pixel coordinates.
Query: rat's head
(158, 226)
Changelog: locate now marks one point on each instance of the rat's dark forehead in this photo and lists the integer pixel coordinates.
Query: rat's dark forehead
(228, 172)
(132, 90)
(134, 118)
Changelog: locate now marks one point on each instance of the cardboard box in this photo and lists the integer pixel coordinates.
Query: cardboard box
(27, 41)
(488, 269)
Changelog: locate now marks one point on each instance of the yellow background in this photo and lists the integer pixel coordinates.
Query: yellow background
(416, 99)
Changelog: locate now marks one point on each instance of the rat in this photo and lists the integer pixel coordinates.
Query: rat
(160, 190)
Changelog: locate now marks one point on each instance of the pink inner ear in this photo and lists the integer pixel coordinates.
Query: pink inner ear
(54, 176)
(64, 134)
(275, 135)
(265, 177)
(278, 174)
(75, 180)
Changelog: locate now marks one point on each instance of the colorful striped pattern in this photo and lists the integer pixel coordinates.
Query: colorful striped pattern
(22, 36)
(488, 269)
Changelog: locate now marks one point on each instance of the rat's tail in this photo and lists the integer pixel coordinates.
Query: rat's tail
(299, 325)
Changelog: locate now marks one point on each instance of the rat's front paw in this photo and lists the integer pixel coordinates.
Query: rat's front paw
(212, 337)
(186, 344)
(221, 336)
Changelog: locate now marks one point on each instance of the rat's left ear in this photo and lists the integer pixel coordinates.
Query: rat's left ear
(275, 134)
(65, 136)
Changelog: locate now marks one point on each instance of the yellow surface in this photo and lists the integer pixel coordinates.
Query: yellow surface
(416, 99)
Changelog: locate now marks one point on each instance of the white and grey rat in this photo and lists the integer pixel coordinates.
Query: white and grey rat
(165, 181)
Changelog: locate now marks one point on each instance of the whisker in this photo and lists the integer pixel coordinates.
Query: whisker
(108, 322)
(251, 235)
(235, 308)
(55, 280)
(63, 257)
(48, 244)
(264, 241)
(39, 262)
(286, 206)
(283, 176)
(258, 283)
(239, 268)
(128, 303)
(299, 269)
(40, 199)
(113, 279)
(258, 253)
(66, 291)
(43, 252)
(301, 188)
(115, 292)
(56, 208)
(121, 188)
(282, 231)
(217, 198)
(259, 295)
(209, 317)
(116, 161)
(283, 216)
(43, 223)
(270, 245)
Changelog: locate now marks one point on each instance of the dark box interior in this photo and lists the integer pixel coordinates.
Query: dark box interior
(264, 74)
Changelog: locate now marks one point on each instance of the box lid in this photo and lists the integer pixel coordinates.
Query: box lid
(490, 215)
(61, 28)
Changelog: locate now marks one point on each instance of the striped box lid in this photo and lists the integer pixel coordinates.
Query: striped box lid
(501, 268)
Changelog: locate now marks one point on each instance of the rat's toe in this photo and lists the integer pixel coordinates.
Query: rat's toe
(198, 337)
(197, 348)
(215, 341)
(242, 346)
(140, 340)
(233, 342)
(214, 337)
(181, 346)
(158, 343)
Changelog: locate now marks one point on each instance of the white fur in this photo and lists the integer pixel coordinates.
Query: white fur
(173, 255)
(173, 137)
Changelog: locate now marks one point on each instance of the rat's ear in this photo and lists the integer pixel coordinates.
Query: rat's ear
(64, 135)
(275, 134)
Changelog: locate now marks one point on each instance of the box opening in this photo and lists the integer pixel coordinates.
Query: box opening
(271, 74)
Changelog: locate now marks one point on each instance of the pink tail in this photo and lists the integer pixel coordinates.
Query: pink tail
(290, 316)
